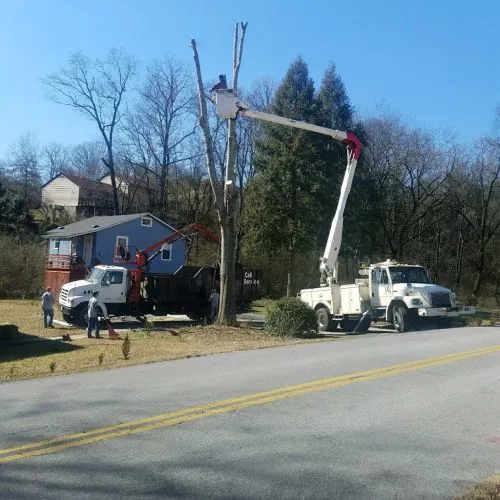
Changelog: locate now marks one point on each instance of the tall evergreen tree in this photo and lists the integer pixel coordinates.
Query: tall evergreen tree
(334, 111)
(284, 190)
(335, 106)
(12, 211)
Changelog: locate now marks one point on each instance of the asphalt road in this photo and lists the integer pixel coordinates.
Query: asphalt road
(416, 430)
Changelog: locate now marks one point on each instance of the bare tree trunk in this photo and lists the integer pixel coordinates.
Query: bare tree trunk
(111, 168)
(437, 255)
(478, 280)
(459, 258)
(290, 269)
(227, 309)
(223, 198)
(496, 281)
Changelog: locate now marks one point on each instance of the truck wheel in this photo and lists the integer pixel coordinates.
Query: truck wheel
(400, 319)
(323, 319)
(81, 316)
(198, 317)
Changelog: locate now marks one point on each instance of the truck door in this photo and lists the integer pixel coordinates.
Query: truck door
(381, 288)
(114, 287)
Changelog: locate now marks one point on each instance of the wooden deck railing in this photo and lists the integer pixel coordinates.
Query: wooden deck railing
(64, 262)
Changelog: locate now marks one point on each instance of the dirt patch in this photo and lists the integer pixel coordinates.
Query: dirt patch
(34, 358)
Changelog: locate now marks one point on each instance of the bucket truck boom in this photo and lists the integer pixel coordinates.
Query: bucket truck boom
(230, 106)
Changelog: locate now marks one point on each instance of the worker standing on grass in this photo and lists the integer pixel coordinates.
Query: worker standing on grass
(48, 300)
(95, 307)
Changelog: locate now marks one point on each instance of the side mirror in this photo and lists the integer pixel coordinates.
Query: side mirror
(104, 282)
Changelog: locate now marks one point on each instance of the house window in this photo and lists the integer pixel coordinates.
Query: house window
(121, 248)
(146, 221)
(55, 244)
(166, 251)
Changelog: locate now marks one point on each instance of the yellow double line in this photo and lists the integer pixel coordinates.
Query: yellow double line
(67, 441)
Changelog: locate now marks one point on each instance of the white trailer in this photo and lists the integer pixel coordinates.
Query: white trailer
(397, 293)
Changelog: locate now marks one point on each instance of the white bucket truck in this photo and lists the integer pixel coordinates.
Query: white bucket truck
(399, 294)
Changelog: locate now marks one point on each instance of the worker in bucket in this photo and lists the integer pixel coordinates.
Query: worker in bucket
(214, 304)
(94, 309)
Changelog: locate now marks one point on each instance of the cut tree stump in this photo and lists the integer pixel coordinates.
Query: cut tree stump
(7, 331)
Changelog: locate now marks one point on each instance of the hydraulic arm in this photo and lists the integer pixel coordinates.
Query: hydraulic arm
(228, 106)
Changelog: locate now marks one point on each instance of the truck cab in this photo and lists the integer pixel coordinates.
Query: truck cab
(403, 295)
(110, 281)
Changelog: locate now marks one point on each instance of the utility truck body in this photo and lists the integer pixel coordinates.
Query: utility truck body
(399, 294)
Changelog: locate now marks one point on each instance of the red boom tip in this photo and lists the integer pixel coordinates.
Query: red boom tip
(354, 144)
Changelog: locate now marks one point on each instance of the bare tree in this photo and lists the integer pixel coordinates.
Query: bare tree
(477, 202)
(96, 89)
(56, 159)
(261, 94)
(158, 129)
(194, 194)
(223, 189)
(408, 173)
(86, 159)
(24, 167)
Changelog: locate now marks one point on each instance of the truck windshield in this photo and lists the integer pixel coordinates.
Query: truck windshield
(408, 274)
(96, 275)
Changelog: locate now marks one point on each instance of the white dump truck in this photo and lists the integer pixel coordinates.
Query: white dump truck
(137, 292)
(399, 294)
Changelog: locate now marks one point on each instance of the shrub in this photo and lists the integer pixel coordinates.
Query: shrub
(7, 331)
(126, 347)
(473, 320)
(22, 266)
(290, 317)
(148, 326)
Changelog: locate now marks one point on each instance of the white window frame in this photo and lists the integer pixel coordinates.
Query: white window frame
(116, 256)
(166, 246)
(55, 244)
(149, 224)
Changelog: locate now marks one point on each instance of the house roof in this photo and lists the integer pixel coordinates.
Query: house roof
(132, 181)
(82, 182)
(95, 224)
(88, 183)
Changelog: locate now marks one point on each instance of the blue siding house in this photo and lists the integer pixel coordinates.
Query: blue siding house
(113, 239)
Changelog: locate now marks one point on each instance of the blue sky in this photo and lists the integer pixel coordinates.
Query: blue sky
(436, 62)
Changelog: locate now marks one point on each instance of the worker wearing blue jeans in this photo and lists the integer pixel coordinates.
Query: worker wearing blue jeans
(48, 307)
(93, 314)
